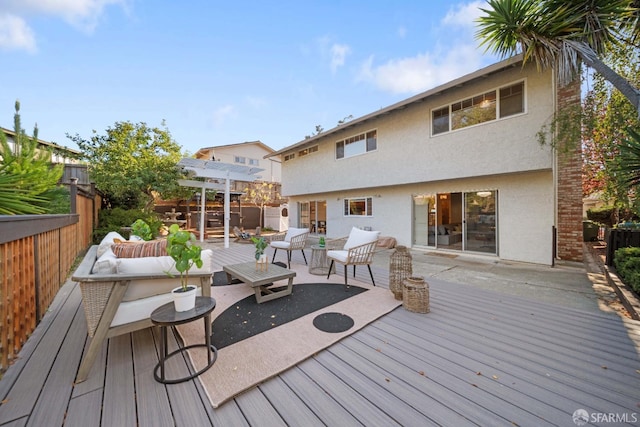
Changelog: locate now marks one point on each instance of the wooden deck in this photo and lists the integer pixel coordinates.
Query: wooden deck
(478, 358)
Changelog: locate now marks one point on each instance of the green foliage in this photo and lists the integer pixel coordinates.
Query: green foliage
(260, 244)
(59, 200)
(627, 263)
(133, 163)
(141, 229)
(27, 177)
(182, 248)
(606, 215)
(116, 218)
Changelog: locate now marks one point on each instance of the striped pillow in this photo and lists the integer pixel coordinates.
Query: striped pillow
(140, 249)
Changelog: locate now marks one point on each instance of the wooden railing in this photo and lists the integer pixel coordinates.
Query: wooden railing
(36, 255)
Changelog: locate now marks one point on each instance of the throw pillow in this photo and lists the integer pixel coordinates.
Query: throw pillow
(141, 249)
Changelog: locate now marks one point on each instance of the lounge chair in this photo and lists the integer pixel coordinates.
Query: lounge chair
(358, 250)
(243, 236)
(294, 239)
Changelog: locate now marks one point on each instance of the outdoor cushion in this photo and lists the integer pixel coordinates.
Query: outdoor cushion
(140, 249)
(293, 232)
(280, 244)
(107, 241)
(106, 264)
(359, 237)
(338, 255)
(157, 265)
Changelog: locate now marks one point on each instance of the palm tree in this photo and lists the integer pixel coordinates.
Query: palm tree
(562, 33)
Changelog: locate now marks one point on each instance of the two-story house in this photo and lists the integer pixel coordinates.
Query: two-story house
(457, 168)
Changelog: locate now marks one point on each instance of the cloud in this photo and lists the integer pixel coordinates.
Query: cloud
(15, 34)
(421, 72)
(464, 15)
(222, 114)
(81, 14)
(453, 56)
(338, 54)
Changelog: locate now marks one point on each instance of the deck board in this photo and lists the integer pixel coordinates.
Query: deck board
(478, 358)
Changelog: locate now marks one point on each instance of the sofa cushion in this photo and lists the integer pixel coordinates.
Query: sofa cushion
(359, 237)
(106, 264)
(157, 265)
(293, 232)
(153, 248)
(107, 241)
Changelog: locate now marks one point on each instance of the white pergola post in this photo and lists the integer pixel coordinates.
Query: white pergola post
(227, 211)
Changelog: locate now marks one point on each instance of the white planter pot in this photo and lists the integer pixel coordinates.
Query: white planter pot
(262, 263)
(184, 301)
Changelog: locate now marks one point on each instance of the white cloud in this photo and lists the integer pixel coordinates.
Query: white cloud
(82, 14)
(402, 32)
(464, 15)
(453, 56)
(424, 71)
(15, 34)
(222, 114)
(339, 53)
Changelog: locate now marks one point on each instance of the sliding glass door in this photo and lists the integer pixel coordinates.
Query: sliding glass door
(480, 229)
(456, 221)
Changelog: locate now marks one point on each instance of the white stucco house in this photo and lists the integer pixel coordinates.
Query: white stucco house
(456, 168)
(250, 153)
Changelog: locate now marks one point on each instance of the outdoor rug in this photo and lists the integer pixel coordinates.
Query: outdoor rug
(250, 358)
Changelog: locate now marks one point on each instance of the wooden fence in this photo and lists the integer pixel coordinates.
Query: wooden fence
(620, 238)
(36, 256)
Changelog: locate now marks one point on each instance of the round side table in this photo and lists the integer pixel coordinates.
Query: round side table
(166, 316)
(318, 264)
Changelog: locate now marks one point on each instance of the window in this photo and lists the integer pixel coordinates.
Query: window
(358, 206)
(308, 150)
(508, 100)
(358, 144)
(290, 156)
(240, 159)
(512, 100)
(254, 162)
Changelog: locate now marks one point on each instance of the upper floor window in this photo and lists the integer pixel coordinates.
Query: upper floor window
(358, 144)
(508, 100)
(240, 159)
(289, 156)
(308, 150)
(362, 206)
(254, 162)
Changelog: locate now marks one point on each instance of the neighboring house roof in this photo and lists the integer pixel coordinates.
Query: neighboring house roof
(481, 73)
(240, 144)
(50, 145)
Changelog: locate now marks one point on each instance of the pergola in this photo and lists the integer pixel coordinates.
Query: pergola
(211, 170)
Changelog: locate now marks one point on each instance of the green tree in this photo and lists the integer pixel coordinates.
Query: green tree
(260, 194)
(562, 33)
(606, 116)
(28, 180)
(133, 163)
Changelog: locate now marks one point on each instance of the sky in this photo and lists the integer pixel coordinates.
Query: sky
(224, 72)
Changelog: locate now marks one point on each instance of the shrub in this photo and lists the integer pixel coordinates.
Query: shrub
(603, 215)
(627, 263)
(116, 218)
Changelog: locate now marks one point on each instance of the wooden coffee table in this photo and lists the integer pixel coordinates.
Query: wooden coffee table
(260, 280)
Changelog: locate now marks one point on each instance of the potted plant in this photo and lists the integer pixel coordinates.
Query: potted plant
(261, 258)
(185, 253)
(141, 229)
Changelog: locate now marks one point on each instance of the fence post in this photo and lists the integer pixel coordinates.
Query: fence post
(73, 193)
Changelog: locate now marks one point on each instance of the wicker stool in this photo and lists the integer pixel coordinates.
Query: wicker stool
(415, 294)
(400, 268)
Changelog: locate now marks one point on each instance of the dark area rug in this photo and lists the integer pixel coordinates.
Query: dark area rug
(247, 318)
